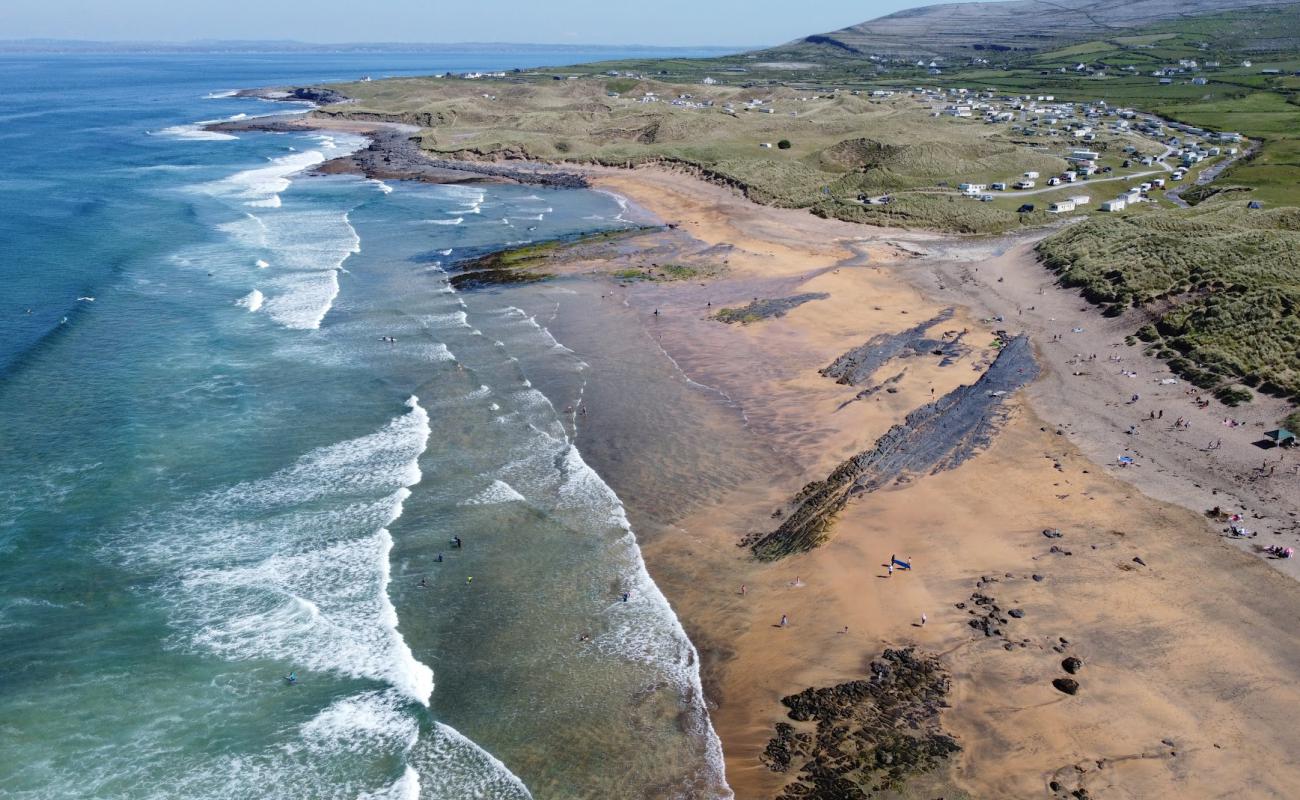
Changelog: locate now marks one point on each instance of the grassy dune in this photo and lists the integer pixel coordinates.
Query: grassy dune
(843, 144)
(1225, 278)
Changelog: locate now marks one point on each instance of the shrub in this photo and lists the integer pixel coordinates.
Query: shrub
(784, 144)
(1234, 395)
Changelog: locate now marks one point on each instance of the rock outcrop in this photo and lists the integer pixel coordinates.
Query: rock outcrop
(870, 735)
(858, 365)
(935, 437)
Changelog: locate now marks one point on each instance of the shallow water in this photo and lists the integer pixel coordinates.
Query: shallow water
(218, 472)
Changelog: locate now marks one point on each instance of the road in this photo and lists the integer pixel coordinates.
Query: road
(1164, 168)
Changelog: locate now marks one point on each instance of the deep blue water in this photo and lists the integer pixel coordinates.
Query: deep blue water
(216, 470)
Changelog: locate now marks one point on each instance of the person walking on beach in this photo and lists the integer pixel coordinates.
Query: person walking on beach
(743, 589)
(890, 569)
(784, 620)
(923, 619)
(625, 594)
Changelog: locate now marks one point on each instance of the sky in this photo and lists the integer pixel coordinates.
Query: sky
(650, 22)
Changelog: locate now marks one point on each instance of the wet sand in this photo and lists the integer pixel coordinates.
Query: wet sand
(1189, 653)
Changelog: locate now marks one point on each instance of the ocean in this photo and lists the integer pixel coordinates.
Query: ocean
(243, 421)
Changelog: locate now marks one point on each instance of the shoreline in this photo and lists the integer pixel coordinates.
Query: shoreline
(1029, 478)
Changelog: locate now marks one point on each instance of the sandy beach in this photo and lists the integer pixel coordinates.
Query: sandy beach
(1098, 634)
(1186, 642)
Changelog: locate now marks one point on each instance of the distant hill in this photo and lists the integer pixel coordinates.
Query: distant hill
(989, 28)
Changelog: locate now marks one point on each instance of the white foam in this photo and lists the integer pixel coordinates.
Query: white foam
(195, 131)
(220, 95)
(656, 638)
(252, 301)
(357, 723)
(457, 318)
(309, 249)
(261, 186)
(261, 263)
(381, 186)
(406, 787)
(452, 766)
(452, 221)
(312, 589)
(499, 492)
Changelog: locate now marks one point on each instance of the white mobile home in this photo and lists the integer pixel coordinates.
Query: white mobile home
(1060, 207)
(1118, 204)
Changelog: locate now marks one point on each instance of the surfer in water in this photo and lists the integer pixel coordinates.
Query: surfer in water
(291, 678)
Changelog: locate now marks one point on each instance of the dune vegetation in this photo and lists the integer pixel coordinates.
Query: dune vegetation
(1221, 279)
(842, 144)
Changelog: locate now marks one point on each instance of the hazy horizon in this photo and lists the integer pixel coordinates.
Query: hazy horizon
(667, 23)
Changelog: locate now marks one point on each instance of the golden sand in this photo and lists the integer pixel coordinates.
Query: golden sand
(1188, 687)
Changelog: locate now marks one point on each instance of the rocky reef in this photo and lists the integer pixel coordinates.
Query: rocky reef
(937, 436)
(870, 735)
(858, 365)
(537, 261)
(761, 309)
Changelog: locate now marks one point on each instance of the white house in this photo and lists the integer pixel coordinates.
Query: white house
(709, 81)
(1060, 207)
(1081, 199)
(1118, 204)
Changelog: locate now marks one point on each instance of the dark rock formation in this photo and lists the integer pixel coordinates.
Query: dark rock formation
(859, 364)
(1072, 665)
(393, 154)
(1067, 685)
(532, 262)
(766, 308)
(935, 437)
(319, 95)
(870, 735)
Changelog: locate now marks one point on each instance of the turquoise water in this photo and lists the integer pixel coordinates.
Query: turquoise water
(216, 471)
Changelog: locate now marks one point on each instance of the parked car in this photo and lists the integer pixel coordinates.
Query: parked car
(1025, 209)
